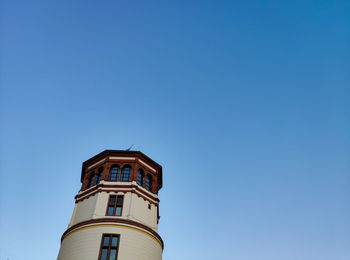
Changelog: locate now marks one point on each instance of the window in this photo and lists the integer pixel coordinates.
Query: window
(114, 173)
(109, 247)
(95, 178)
(126, 173)
(91, 179)
(115, 205)
(148, 182)
(140, 177)
(99, 176)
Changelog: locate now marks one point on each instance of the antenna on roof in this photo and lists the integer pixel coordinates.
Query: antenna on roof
(129, 148)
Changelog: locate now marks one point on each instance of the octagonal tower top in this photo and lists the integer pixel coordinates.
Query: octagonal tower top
(122, 166)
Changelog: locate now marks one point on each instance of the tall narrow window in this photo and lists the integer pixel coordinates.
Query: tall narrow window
(109, 247)
(114, 173)
(126, 173)
(140, 177)
(99, 176)
(91, 179)
(148, 182)
(115, 205)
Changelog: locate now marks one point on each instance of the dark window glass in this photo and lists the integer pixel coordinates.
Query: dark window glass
(114, 241)
(112, 200)
(91, 179)
(109, 247)
(148, 182)
(104, 254)
(98, 178)
(100, 173)
(120, 200)
(110, 211)
(114, 173)
(126, 173)
(118, 211)
(113, 254)
(140, 177)
(106, 241)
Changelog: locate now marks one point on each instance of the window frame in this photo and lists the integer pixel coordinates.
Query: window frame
(140, 172)
(118, 174)
(148, 177)
(109, 247)
(95, 178)
(91, 180)
(123, 174)
(116, 204)
(98, 176)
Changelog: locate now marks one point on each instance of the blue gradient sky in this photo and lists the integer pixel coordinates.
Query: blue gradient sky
(244, 103)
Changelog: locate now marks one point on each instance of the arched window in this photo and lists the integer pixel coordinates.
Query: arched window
(126, 173)
(140, 177)
(148, 182)
(114, 173)
(99, 176)
(91, 179)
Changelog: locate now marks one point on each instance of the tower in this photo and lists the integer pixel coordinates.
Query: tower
(116, 211)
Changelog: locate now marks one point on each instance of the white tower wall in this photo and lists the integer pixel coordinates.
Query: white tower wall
(136, 227)
(135, 244)
(134, 208)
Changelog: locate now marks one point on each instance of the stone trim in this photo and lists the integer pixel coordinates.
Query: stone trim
(117, 222)
(116, 188)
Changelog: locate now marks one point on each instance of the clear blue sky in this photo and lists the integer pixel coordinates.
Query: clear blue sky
(244, 103)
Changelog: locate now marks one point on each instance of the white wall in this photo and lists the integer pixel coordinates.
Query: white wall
(134, 208)
(141, 213)
(84, 210)
(133, 244)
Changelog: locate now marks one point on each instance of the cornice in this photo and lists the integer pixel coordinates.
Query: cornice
(123, 222)
(134, 188)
